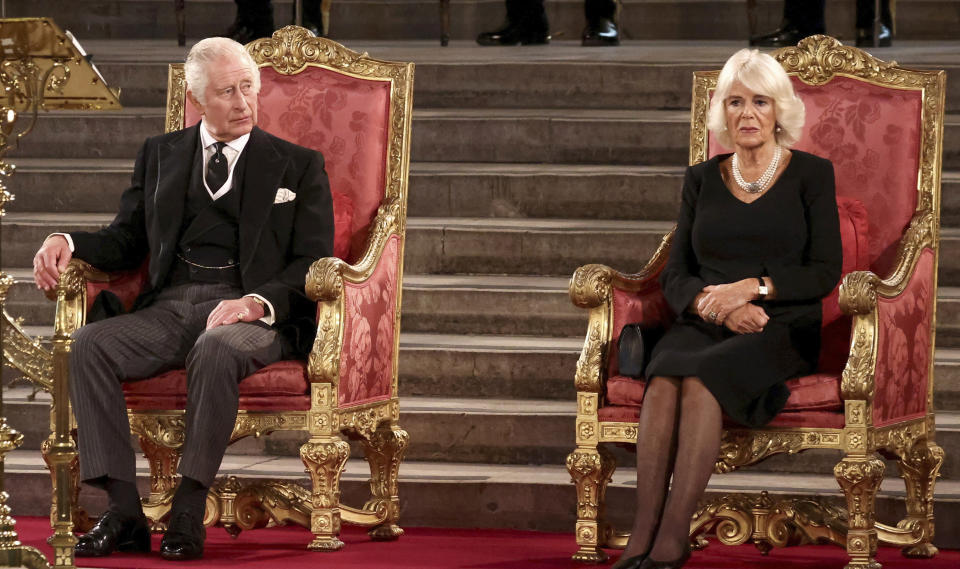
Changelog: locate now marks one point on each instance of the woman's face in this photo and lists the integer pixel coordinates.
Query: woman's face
(751, 117)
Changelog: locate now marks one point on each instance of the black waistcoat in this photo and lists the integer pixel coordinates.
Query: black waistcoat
(210, 231)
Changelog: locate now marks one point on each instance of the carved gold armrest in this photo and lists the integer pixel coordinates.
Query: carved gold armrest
(325, 285)
(592, 285)
(860, 294)
(71, 295)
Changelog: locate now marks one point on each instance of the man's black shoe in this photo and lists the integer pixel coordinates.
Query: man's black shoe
(865, 37)
(184, 538)
(513, 35)
(113, 532)
(601, 32)
(787, 36)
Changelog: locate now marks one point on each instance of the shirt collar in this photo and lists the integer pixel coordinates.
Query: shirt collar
(207, 139)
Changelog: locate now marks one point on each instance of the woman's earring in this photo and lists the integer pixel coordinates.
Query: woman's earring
(778, 129)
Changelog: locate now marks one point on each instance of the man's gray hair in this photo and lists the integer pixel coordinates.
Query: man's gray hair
(208, 51)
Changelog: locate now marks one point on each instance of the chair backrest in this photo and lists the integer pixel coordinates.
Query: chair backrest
(872, 119)
(882, 127)
(354, 109)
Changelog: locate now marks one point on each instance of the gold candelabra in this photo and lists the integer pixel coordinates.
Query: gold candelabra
(41, 68)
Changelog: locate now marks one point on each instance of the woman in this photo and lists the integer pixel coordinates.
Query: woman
(757, 246)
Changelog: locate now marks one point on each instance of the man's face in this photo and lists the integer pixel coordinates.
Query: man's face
(230, 109)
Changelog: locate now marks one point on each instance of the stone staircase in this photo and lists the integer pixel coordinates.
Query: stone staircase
(526, 163)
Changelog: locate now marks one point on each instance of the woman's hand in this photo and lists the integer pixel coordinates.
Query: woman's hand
(716, 302)
(748, 319)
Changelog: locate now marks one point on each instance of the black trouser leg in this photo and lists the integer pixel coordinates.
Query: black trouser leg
(805, 15)
(865, 14)
(527, 14)
(597, 9)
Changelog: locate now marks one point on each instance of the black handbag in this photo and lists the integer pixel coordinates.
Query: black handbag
(634, 347)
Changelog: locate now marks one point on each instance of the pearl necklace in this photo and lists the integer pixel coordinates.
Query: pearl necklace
(763, 181)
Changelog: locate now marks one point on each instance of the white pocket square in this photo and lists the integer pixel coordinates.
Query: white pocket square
(284, 195)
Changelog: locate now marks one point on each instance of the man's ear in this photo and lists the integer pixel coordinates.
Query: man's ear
(193, 100)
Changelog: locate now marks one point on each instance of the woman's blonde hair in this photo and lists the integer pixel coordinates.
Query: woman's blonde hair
(761, 74)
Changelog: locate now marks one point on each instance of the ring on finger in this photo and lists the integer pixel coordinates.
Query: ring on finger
(713, 316)
(239, 315)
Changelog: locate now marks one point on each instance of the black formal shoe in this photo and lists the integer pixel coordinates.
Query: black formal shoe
(113, 532)
(514, 35)
(865, 37)
(184, 538)
(786, 36)
(601, 32)
(677, 563)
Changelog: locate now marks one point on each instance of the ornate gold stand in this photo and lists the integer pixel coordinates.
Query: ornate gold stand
(40, 68)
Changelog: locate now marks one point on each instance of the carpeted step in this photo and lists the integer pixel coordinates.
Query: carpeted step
(419, 19)
(502, 496)
(602, 136)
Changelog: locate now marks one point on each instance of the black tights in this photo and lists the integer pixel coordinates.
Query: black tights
(679, 434)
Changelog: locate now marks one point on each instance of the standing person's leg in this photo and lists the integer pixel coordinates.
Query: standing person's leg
(105, 354)
(866, 10)
(601, 28)
(656, 449)
(801, 18)
(698, 445)
(526, 25)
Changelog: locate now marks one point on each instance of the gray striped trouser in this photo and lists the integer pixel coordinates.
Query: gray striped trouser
(168, 334)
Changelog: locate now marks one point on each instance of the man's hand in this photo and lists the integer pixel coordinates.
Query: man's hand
(748, 319)
(232, 311)
(719, 301)
(50, 261)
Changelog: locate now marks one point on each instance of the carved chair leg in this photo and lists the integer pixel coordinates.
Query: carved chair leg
(163, 462)
(82, 522)
(919, 469)
(591, 470)
(384, 453)
(860, 478)
(325, 457)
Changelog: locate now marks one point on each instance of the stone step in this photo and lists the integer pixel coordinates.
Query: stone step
(540, 498)
(492, 431)
(418, 19)
(470, 245)
(649, 74)
(437, 189)
(564, 136)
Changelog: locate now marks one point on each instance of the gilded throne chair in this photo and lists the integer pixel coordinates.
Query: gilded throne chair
(881, 126)
(357, 111)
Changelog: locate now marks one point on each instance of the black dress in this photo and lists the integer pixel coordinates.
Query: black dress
(791, 234)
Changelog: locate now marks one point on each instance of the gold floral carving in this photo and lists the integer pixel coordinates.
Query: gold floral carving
(618, 432)
(26, 354)
(860, 479)
(176, 98)
(160, 429)
(729, 516)
(590, 285)
(591, 470)
(857, 378)
(325, 458)
(587, 405)
(81, 520)
(899, 439)
(703, 83)
(257, 424)
(323, 363)
(858, 292)
(384, 452)
(919, 468)
(365, 420)
(740, 448)
(590, 365)
(164, 461)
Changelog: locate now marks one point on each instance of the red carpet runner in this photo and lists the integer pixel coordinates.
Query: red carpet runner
(423, 548)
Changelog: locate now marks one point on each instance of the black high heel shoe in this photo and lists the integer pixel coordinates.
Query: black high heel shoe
(634, 562)
(677, 563)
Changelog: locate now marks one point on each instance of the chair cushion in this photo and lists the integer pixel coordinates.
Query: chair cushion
(818, 392)
(281, 386)
(814, 419)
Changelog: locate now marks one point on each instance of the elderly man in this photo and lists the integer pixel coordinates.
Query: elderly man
(230, 219)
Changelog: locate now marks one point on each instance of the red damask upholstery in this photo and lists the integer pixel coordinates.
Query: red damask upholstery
(369, 336)
(904, 337)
